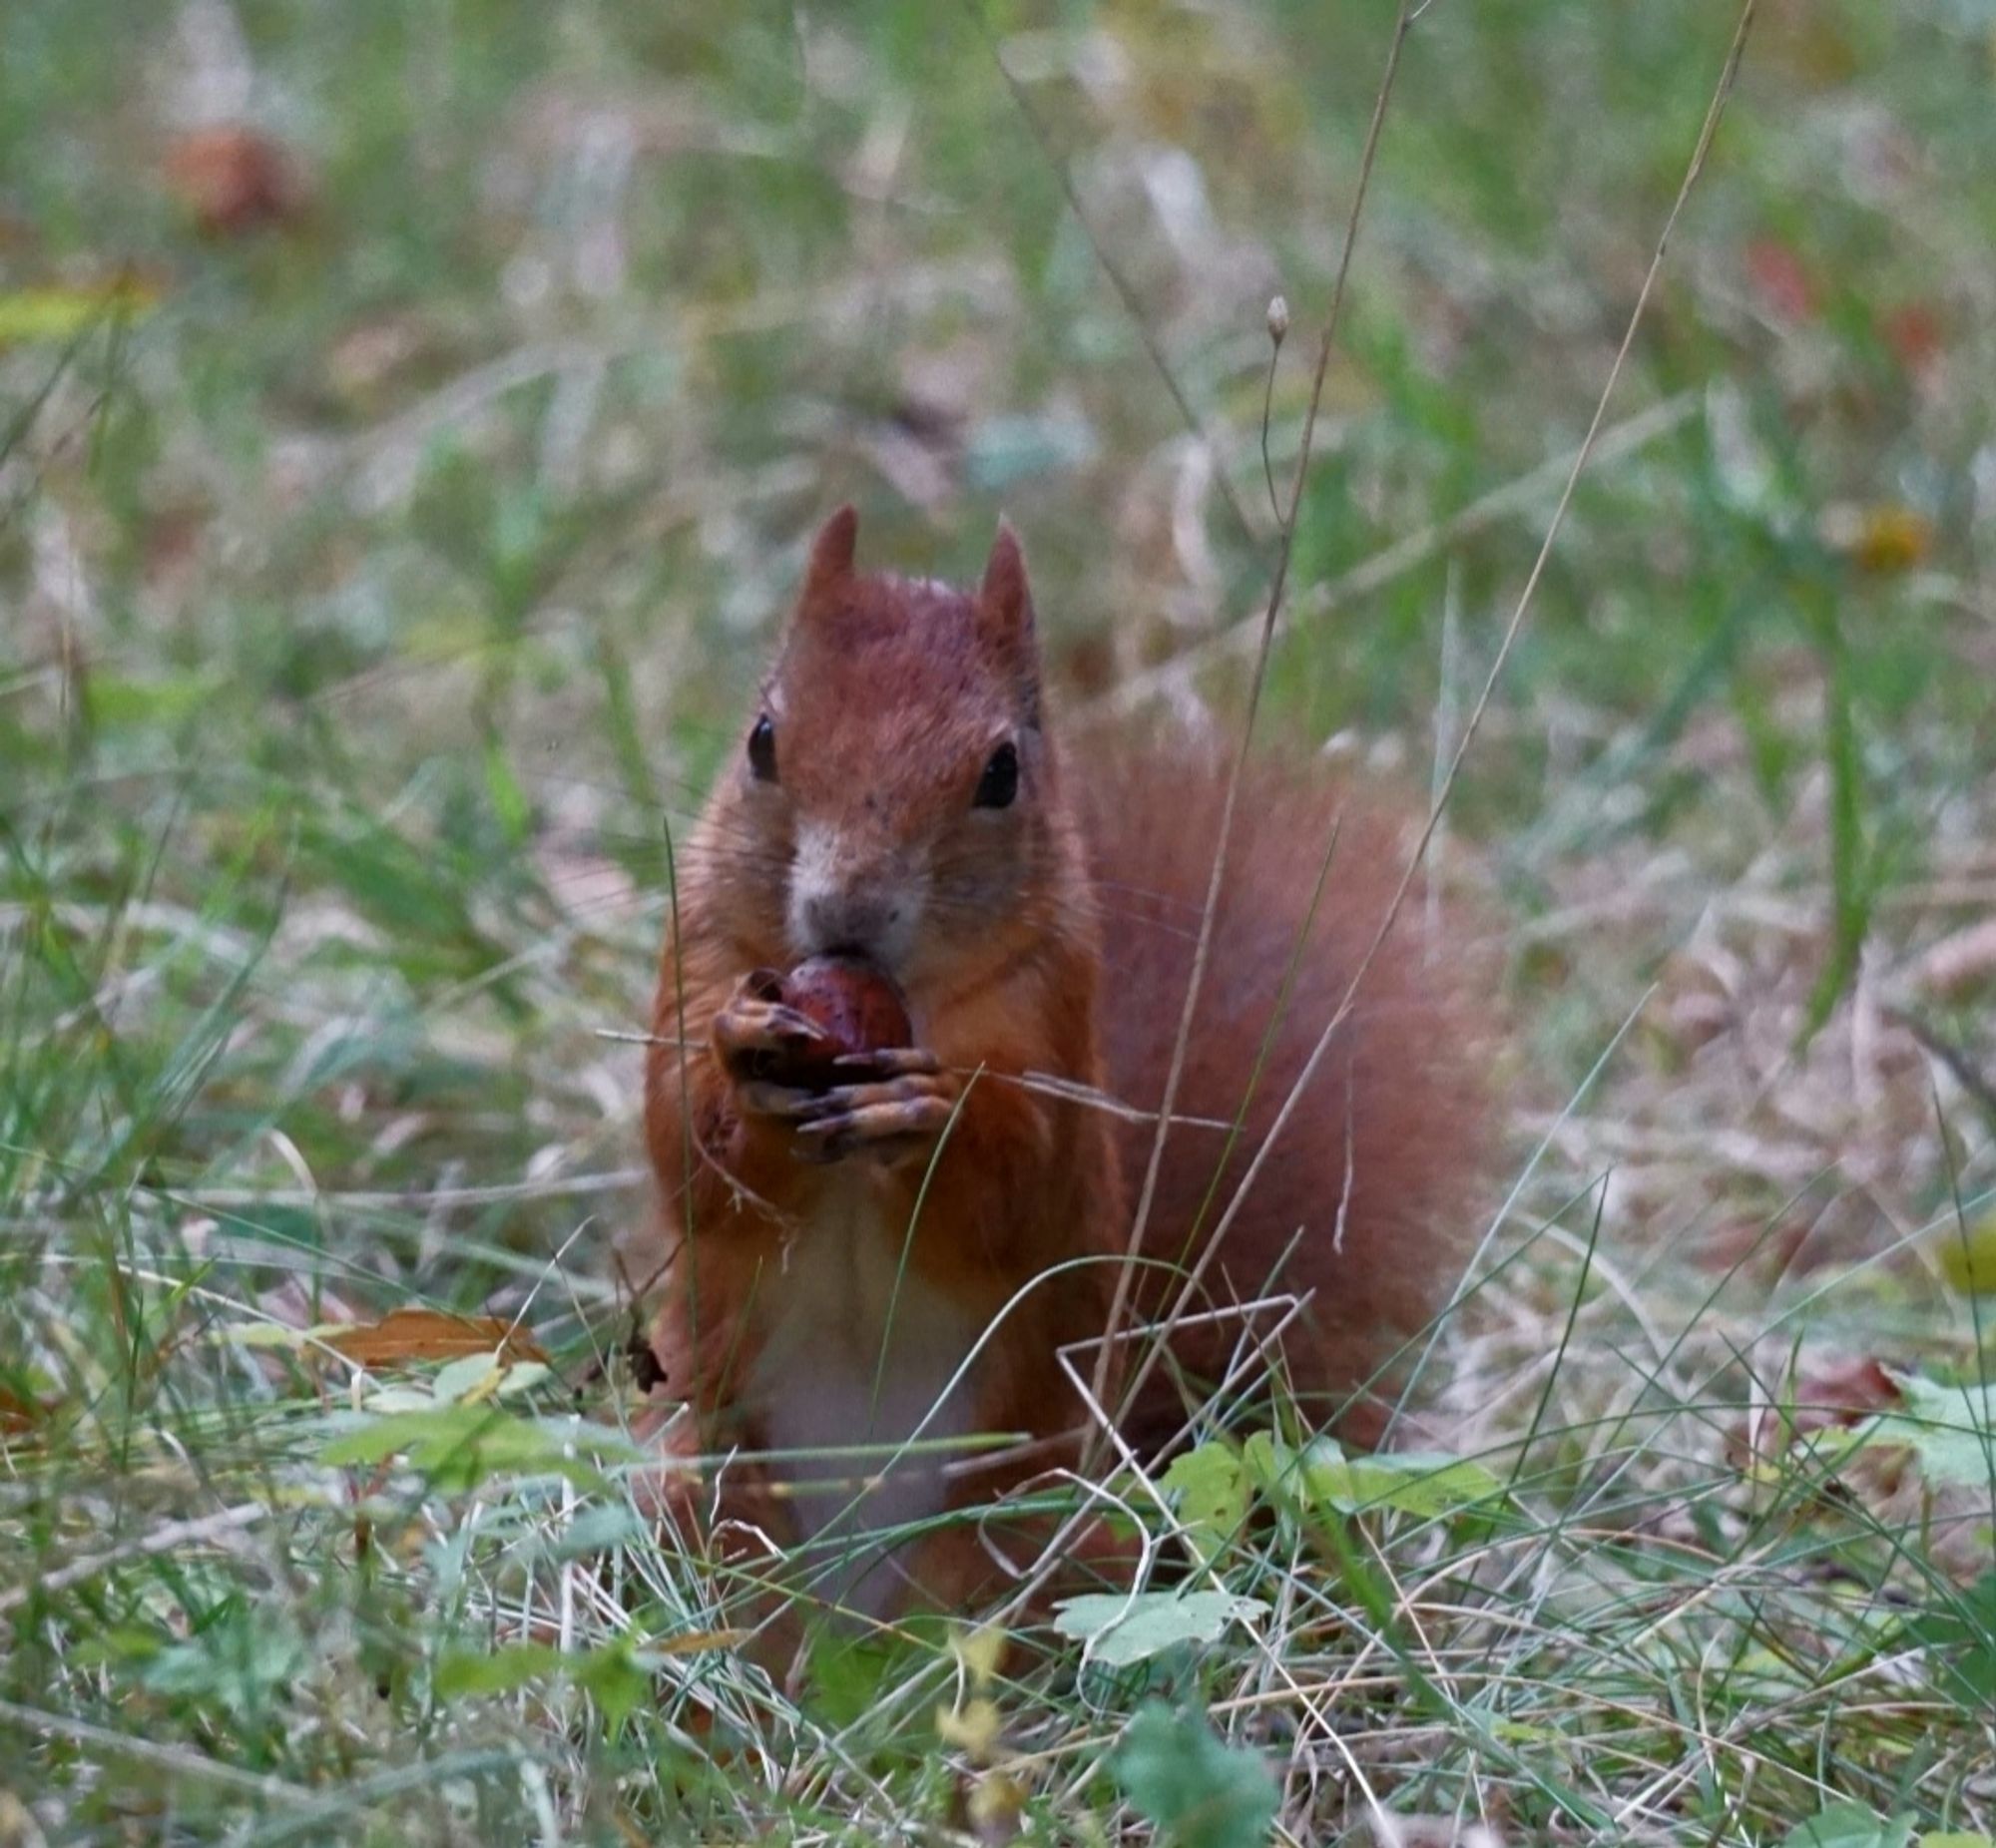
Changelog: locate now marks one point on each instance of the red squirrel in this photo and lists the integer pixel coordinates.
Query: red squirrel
(905, 1256)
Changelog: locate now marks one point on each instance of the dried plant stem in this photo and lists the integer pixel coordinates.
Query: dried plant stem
(1279, 584)
(1518, 495)
(1715, 112)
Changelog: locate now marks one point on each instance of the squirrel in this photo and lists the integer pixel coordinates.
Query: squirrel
(932, 1252)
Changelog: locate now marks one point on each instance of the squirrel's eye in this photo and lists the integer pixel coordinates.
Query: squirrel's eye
(1000, 781)
(763, 749)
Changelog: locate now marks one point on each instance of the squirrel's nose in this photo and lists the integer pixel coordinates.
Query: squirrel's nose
(844, 898)
(865, 923)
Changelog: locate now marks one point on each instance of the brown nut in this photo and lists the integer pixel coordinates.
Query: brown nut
(858, 1009)
(851, 1003)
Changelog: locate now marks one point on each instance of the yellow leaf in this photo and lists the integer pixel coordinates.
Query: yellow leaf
(697, 1642)
(972, 1727)
(1892, 538)
(1968, 1257)
(60, 311)
(981, 1651)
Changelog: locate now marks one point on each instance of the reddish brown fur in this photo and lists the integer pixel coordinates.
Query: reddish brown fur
(1380, 1164)
(885, 701)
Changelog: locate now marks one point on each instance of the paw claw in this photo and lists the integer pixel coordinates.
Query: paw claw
(754, 1034)
(890, 1121)
(891, 1062)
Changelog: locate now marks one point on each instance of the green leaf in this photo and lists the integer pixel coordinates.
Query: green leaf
(522, 1376)
(613, 1676)
(387, 1399)
(60, 312)
(467, 1671)
(597, 1530)
(1209, 1490)
(616, 1681)
(1263, 1457)
(1117, 1630)
(849, 1675)
(459, 1447)
(502, 788)
(1201, 1792)
(1954, 1838)
(164, 699)
(1951, 1429)
(461, 1378)
(259, 1335)
(1960, 1630)
(1851, 1825)
(1425, 1483)
(238, 1660)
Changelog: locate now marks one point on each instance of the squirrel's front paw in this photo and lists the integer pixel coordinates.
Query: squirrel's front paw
(905, 1104)
(756, 1034)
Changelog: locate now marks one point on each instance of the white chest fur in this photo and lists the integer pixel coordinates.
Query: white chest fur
(858, 1349)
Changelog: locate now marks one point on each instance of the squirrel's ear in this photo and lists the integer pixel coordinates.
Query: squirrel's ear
(830, 564)
(1005, 608)
(1005, 615)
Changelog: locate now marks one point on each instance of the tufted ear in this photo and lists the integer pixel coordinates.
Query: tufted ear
(1005, 615)
(829, 569)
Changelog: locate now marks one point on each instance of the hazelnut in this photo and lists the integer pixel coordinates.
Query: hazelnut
(856, 1006)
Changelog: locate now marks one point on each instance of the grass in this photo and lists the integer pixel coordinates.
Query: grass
(376, 592)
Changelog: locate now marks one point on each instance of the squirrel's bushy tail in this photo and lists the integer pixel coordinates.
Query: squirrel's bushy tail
(1375, 1186)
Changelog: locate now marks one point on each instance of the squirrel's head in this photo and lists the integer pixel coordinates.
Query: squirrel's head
(894, 778)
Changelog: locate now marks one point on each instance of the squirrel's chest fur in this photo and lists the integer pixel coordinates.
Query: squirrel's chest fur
(856, 1348)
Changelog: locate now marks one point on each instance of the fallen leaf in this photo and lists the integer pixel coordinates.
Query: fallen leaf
(233, 179)
(403, 1335)
(1826, 1398)
(1781, 279)
(1895, 539)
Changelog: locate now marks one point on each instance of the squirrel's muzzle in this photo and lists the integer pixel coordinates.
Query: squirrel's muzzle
(845, 900)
